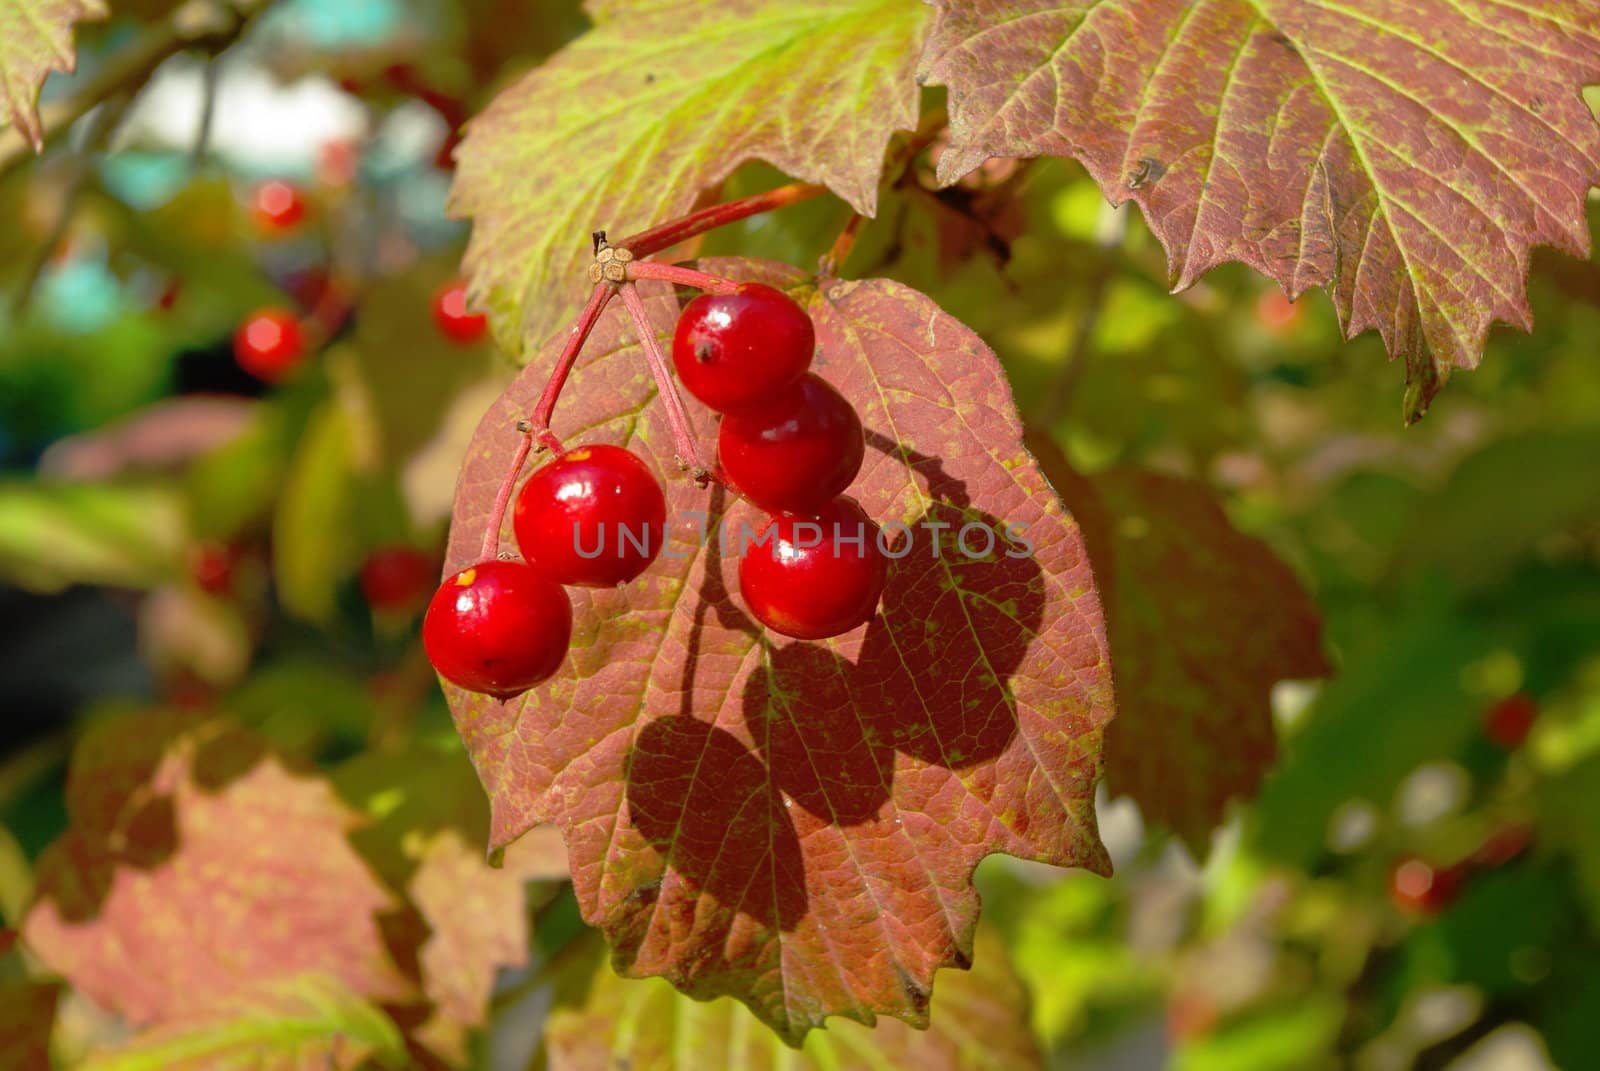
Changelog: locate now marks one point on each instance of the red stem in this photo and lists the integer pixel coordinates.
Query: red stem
(558, 377)
(671, 273)
(678, 417)
(670, 234)
(497, 516)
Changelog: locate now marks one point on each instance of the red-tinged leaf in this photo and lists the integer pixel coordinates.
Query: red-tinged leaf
(1407, 155)
(796, 824)
(305, 1023)
(478, 924)
(27, 1016)
(196, 867)
(1203, 621)
(35, 39)
(978, 1021)
(661, 100)
(465, 919)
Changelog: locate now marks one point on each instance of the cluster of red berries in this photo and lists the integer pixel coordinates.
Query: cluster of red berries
(596, 516)
(791, 445)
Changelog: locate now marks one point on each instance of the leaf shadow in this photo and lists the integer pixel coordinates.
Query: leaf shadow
(694, 789)
(931, 680)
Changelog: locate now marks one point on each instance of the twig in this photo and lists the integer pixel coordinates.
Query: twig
(670, 234)
(839, 252)
(208, 111)
(209, 24)
(103, 126)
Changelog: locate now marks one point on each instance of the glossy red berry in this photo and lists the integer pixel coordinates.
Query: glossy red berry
(456, 322)
(1508, 722)
(814, 577)
(270, 344)
(593, 517)
(796, 454)
(737, 350)
(278, 206)
(497, 627)
(397, 579)
(1419, 888)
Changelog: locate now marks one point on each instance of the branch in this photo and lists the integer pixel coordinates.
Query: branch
(208, 24)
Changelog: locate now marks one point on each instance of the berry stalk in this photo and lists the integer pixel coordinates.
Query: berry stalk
(672, 273)
(540, 420)
(491, 532)
(688, 453)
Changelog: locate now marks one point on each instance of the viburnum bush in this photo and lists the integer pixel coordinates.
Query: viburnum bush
(828, 498)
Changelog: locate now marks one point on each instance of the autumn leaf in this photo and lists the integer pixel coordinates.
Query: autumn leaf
(1203, 621)
(478, 925)
(978, 1021)
(661, 100)
(196, 867)
(464, 920)
(1406, 156)
(27, 1016)
(796, 824)
(306, 1023)
(35, 39)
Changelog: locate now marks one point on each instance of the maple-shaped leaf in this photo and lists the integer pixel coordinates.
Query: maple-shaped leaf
(197, 867)
(796, 824)
(305, 1023)
(978, 1021)
(477, 917)
(1406, 155)
(660, 100)
(35, 39)
(1203, 621)
(464, 919)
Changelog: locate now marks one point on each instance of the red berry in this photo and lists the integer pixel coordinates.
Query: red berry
(814, 577)
(455, 320)
(279, 207)
(594, 517)
(1508, 722)
(1276, 313)
(742, 349)
(497, 627)
(796, 454)
(397, 579)
(1420, 888)
(270, 344)
(211, 566)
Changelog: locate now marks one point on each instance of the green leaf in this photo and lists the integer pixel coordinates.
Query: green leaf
(1396, 703)
(315, 537)
(1500, 503)
(1406, 156)
(308, 1021)
(53, 535)
(661, 100)
(978, 1022)
(35, 39)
